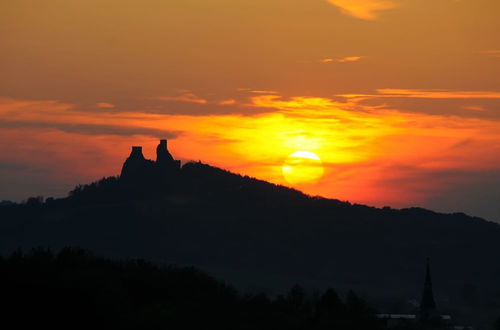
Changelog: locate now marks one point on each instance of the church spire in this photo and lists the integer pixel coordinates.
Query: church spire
(427, 304)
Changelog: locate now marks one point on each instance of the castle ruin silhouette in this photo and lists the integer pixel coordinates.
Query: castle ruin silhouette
(137, 168)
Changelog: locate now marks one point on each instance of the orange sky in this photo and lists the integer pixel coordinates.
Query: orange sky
(399, 98)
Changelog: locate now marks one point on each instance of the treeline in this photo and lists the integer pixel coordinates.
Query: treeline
(195, 181)
(74, 289)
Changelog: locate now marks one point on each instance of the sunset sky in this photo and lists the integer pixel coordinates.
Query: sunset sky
(399, 99)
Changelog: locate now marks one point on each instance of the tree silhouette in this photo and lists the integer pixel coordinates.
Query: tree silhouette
(73, 288)
(249, 229)
(330, 311)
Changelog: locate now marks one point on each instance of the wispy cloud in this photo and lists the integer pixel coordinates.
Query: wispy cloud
(439, 94)
(427, 94)
(302, 103)
(184, 96)
(492, 53)
(105, 105)
(227, 102)
(364, 9)
(263, 92)
(371, 154)
(474, 107)
(342, 59)
(90, 129)
(52, 115)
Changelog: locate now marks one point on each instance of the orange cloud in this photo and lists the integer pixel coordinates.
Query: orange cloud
(342, 60)
(492, 52)
(438, 94)
(364, 9)
(52, 115)
(227, 102)
(105, 105)
(185, 96)
(426, 94)
(372, 155)
(474, 108)
(263, 92)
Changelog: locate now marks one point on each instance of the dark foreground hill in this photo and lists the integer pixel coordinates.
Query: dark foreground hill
(260, 236)
(75, 290)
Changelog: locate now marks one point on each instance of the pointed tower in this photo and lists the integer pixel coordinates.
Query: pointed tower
(428, 308)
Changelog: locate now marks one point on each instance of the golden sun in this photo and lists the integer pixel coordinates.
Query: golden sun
(302, 167)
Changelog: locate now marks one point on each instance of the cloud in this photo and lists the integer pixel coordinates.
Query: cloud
(91, 129)
(463, 103)
(263, 92)
(427, 94)
(105, 105)
(16, 114)
(372, 154)
(295, 103)
(342, 60)
(364, 9)
(185, 96)
(492, 53)
(227, 102)
(474, 107)
(439, 94)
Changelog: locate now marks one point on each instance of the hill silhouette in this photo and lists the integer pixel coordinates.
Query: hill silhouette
(74, 289)
(265, 237)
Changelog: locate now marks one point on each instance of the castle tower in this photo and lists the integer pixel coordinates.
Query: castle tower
(162, 154)
(428, 308)
(136, 153)
(137, 169)
(164, 160)
(134, 165)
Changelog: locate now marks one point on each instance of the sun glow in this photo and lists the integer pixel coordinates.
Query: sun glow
(302, 167)
(368, 154)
